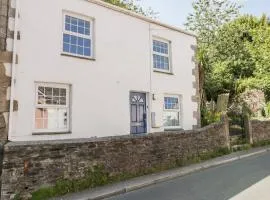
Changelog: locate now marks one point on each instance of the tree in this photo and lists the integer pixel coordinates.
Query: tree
(241, 57)
(207, 17)
(134, 6)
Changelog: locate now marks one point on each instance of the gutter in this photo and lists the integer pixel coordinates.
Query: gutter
(13, 70)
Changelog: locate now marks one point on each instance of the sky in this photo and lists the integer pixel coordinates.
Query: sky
(174, 12)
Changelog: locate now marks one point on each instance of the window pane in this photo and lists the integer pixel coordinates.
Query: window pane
(171, 119)
(74, 21)
(73, 49)
(87, 31)
(171, 103)
(80, 50)
(67, 27)
(81, 23)
(134, 113)
(87, 42)
(68, 18)
(160, 47)
(77, 25)
(66, 47)
(51, 96)
(51, 118)
(80, 41)
(161, 62)
(87, 52)
(66, 38)
(80, 30)
(63, 92)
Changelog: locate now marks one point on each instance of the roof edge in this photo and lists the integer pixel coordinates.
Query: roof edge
(138, 16)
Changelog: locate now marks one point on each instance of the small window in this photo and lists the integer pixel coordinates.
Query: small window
(52, 108)
(171, 116)
(77, 36)
(161, 55)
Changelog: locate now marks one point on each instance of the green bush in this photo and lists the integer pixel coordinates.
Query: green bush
(267, 110)
(209, 117)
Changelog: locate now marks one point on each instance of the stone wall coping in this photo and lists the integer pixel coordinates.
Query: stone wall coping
(105, 139)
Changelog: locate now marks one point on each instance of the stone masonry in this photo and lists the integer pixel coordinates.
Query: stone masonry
(259, 130)
(196, 85)
(27, 166)
(7, 13)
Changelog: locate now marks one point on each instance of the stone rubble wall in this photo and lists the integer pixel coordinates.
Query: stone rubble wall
(259, 130)
(27, 166)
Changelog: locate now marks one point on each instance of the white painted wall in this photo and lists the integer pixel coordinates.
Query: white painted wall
(100, 88)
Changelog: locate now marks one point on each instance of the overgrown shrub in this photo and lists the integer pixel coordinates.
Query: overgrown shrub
(266, 112)
(209, 116)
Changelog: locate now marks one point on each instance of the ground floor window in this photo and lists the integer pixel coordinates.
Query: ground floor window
(172, 111)
(52, 108)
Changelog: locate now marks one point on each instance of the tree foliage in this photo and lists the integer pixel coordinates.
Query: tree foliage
(234, 50)
(241, 57)
(133, 5)
(208, 16)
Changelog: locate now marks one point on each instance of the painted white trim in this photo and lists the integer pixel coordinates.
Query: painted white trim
(169, 55)
(67, 107)
(179, 110)
(91, 36)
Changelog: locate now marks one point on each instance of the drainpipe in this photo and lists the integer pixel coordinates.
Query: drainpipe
(13, 69)
(150, 85)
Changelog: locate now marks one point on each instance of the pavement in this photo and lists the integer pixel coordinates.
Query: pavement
(218, 179)
(259, 191)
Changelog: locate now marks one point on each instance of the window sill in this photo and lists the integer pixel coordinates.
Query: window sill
(52, 133)
(173, 129)
(79, 57)
(163, 72)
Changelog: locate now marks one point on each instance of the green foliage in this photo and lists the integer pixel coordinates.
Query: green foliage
(267, 110)
(240, 58)
(208, 16)
(134, 6)
(261, 143)
(94, 177)
(209, 117)
(234, 51)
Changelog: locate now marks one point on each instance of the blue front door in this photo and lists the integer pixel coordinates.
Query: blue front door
(138, 113)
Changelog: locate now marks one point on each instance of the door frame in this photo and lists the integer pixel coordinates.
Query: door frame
(148, 111)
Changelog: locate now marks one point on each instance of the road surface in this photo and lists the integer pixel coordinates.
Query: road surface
(246, 179)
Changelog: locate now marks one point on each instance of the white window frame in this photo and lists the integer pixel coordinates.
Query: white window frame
(67, 107)
(91, 36)
(162, 54)
(179, 110)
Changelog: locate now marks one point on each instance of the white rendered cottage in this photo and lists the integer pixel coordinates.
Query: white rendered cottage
(85, 69)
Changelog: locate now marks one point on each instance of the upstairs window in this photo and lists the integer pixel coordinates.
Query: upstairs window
(172, 114)
(161, 55)
(78, 36)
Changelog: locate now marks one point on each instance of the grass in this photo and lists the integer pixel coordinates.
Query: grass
(98, 176)
(261, 143)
